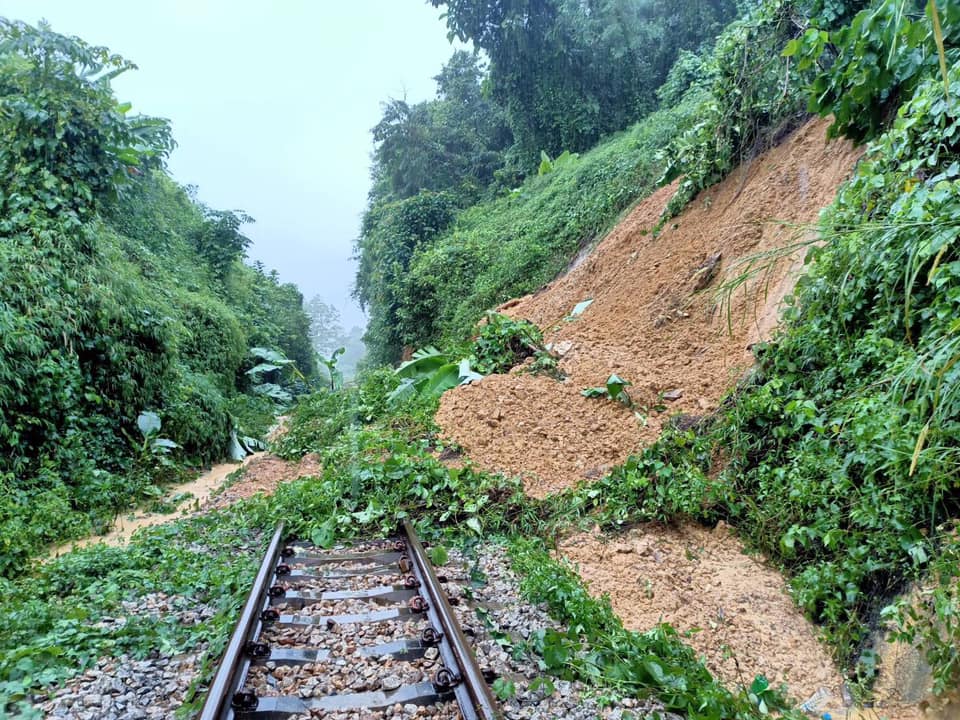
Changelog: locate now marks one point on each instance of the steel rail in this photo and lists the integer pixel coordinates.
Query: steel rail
(234, 665)
(459, 677)
(471, 689)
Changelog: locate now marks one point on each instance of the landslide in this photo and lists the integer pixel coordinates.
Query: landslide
(656, 320)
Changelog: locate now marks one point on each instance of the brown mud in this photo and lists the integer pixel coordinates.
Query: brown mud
(213, 489)
(656, 320)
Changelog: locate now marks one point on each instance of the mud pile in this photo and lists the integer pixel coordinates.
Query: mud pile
(658, 319)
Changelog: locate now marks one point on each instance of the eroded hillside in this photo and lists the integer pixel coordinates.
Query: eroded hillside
(656, 320)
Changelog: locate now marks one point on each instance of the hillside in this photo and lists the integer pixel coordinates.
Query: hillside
(688, 367)
(654, 320)
(128, 317)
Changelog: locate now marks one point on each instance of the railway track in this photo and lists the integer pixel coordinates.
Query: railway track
(362, 634)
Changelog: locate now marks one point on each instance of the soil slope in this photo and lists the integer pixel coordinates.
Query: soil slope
(659, 319)
(656, 320)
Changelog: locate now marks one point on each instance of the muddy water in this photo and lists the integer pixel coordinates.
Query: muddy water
(200, 490)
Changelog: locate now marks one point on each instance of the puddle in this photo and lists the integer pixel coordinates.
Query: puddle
(200, 490)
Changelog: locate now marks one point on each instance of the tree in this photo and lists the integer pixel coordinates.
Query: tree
(568, 72)
(66, 144)
(218, 239)
(454, 143)
(391, 234)
(326, 331)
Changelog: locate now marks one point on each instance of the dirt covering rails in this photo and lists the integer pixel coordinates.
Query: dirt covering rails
(655, 320)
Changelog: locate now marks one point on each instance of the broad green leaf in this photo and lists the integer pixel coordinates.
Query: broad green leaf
(439, 555)
(615, 386)
(467, 375)
(256, 370)
(580, 307)
(423, 363)
(404, 391)
(148, 422)
(325, 534)
(444, 378)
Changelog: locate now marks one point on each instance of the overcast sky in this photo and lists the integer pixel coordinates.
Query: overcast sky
(271, 103)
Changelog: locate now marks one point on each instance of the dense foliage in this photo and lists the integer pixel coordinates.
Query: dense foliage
(562, 75)
(454, 143)
(119, 294)
(752, 92)
(841, 456)
(567, 72)
(427, 273)
(877, 61)
(379, 463)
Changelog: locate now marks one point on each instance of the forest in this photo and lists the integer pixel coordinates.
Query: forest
(834, 458)
(95, 329)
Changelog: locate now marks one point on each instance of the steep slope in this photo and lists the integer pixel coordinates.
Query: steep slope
(656, 320)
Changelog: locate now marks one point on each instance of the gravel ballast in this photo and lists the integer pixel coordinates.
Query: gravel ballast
(119, 688)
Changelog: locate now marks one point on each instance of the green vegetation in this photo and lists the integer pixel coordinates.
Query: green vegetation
(597, 648)
(467, 208)
(340, 352)
(378, 465)
(838, 459)
(614, 389)
(552, 61)
(63, 617)
(427, 274)
(119, 294)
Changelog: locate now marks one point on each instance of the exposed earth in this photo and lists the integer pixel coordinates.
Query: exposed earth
(656, 320)
(669, 315)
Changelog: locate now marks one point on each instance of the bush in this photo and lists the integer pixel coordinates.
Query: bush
(195, 416)
(512, 245)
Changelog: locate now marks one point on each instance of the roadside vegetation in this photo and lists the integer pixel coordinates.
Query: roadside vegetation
(837, 459)
(120, 294)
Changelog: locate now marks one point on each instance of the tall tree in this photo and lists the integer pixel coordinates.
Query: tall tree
(569, 71)
(452, 143)
(326, 330)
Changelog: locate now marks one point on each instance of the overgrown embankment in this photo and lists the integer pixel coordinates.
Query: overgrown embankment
(837, 456)
(126, 313)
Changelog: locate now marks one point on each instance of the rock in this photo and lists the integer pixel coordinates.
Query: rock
(704, 274)
(563, 347)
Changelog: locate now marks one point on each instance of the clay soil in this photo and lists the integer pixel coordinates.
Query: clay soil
(737, 614)
(660, 318)
(735, 608)
(263, 474)
(651, 321)
(219, 487)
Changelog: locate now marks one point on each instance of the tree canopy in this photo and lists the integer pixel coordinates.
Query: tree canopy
(120, 294)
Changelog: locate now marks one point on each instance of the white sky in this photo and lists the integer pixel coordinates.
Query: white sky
(271, 104)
